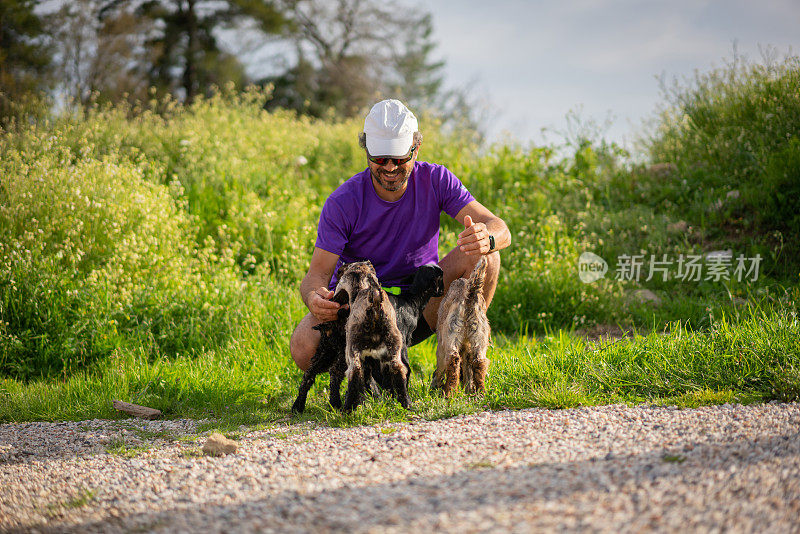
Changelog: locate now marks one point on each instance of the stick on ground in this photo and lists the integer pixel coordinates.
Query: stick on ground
(143, 412)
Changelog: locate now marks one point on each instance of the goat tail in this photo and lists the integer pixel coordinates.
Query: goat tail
(475, 283)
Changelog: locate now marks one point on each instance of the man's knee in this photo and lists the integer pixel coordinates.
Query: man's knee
(304, 341)
(295, 345)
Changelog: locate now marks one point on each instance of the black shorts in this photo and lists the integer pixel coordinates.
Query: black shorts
(421, 333)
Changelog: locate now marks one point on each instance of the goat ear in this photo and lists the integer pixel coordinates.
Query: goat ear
(439, 291)
(429, 278)
(341, 270)
(417, 280)
(408, 280)
(341, 296)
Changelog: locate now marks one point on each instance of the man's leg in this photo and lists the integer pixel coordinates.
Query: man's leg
(458, 265)
(304, 341)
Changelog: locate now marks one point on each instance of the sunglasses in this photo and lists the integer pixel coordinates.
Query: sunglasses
(397, 161)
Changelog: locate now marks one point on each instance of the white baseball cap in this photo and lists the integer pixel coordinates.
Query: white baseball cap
(390, 128)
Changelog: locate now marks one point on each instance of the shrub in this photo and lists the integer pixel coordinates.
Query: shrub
(93, 256)
(126, 230)
(733, 136)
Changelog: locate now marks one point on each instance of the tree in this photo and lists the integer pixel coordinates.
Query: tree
(184, 55)
(23, 58)
(99, 57)
(346, 58)
(418, 79)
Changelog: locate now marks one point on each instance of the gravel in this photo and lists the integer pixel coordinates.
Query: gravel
(615, 468)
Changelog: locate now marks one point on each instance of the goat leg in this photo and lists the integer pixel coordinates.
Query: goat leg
(399, 378)
(337, 377)
(480, 366)
(322, 360)
(452, 372)
(355, 384)
(300, 402)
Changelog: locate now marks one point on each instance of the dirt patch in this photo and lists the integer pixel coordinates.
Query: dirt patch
(604, 332)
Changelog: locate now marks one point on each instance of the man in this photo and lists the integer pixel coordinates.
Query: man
(389, 214)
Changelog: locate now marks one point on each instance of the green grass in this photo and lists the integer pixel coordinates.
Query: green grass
(155, 258)
(734, 131)
(126, 450)
(755, 357)
(83, 498)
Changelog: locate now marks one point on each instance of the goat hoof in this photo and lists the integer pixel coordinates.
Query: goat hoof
(374, 390)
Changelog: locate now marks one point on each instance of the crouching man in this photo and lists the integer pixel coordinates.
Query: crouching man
(389, 214)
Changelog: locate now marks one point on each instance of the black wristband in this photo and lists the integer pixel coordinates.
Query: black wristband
(491, 242)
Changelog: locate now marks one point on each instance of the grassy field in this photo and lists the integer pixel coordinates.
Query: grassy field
(750, 358)
(154, 257)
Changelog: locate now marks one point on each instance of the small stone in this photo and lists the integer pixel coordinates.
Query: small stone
(219, 445)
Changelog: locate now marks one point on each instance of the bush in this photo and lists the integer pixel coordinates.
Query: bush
(168, 233)
(123, 230)
(733, 136)
(92, 257)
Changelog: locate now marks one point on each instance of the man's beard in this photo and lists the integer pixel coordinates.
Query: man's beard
(395, 185)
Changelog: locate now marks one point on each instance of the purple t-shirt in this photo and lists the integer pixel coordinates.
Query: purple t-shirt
(397, 237)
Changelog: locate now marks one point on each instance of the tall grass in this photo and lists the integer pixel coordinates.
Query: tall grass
(144, 239)
(123, 229)
(733, 135)
(753, 357)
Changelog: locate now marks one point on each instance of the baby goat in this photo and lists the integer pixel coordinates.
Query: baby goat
(427, 282)
(463, 335)
(373, 341)
(329, 358)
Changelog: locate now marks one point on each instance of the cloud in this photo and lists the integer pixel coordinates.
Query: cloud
(539, 59)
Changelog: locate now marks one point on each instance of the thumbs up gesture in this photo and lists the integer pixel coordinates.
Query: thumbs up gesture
(474, 239)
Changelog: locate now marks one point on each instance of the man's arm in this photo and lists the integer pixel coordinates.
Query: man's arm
(314, 287)
(480, 223)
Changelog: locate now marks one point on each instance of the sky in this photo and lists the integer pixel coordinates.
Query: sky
(533, 62)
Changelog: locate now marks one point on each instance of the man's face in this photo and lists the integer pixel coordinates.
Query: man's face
(390, 176)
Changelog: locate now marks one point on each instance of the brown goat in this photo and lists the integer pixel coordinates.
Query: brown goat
(463, 335)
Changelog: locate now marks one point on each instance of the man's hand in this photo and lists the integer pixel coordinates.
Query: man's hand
(474, 239)
(321, 306)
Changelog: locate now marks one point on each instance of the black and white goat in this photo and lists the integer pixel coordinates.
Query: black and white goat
(427, 282)
(373, 340)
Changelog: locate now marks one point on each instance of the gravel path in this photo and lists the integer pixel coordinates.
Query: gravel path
(722, 468)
